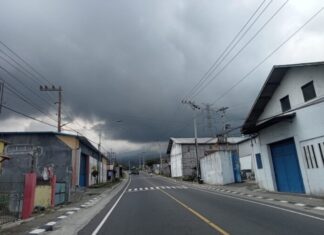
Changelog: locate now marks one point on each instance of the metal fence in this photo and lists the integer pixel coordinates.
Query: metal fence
(10, 206)
(11, 198)
(60, 193)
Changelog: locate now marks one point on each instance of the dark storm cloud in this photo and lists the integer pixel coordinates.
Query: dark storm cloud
(134, 60)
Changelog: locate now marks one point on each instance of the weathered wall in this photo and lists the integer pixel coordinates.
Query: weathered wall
(55, 154)
(217, 168)
(43, 196)
(176, 160)
(189, 160)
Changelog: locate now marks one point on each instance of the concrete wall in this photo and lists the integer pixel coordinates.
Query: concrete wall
(217, 168)
(176, 160)
(189, 160)
(306, 128)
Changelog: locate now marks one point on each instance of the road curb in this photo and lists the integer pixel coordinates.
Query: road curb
(54, 223)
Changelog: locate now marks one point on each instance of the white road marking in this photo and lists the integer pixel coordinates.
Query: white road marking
(140, 189)
(259, 197)
(283, 201)
(111, 210)
(157, 187)
(299, 204)
(62, 217)
(162, 187)
(70, 212)
(75, 208)
(37, 231)
(270, 199)
(173, 187)
(262, 204)
(129, 190)
(135, 189)
(146, 188)
(167, 187)
(51, 223)
(319, 208)
(151, 188)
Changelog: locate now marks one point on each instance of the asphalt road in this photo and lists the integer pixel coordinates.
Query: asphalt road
(153, 205)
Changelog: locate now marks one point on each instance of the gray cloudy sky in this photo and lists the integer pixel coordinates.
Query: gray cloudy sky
(134, 61)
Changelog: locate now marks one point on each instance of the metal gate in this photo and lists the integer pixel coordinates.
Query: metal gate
(59, 193)
(286, 167)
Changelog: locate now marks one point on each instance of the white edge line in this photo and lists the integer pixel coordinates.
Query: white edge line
(111, 210)
(259, 203)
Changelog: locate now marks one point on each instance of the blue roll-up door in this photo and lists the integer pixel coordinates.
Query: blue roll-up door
(286, 167)
(83, 171)
(236, 167)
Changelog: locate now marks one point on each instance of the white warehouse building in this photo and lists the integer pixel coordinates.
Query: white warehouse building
(288, 118)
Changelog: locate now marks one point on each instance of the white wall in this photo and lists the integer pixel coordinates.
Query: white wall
(245, 154)
(291, 85)
(92, 163)
(307, 125)
(217, 168)
(246, 162)
(176, 160)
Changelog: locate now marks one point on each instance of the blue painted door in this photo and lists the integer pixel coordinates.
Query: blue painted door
(286, 167)
(83, 171)
(236, 167)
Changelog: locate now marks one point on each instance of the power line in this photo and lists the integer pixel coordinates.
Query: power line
(22, 83)
(228, 49)
(25, 62)
(26, 115)
(242, 48)
(269, 55)
(22, 97)
(22, 70)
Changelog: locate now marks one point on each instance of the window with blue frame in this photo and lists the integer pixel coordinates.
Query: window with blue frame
(258, 160)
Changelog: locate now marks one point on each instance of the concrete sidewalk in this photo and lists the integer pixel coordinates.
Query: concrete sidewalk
(39, 219)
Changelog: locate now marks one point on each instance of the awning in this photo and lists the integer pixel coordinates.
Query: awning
(269, 122)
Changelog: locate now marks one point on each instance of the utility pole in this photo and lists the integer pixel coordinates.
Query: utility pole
(194, 107)
(224, 124)
(99, 158)
(1, 94)
(160, 159)
(59, 102)
(129, 165)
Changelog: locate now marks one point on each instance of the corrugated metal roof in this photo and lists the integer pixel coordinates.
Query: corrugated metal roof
(230, 140)
(273, 81)
(206, 140)
(82, 139)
